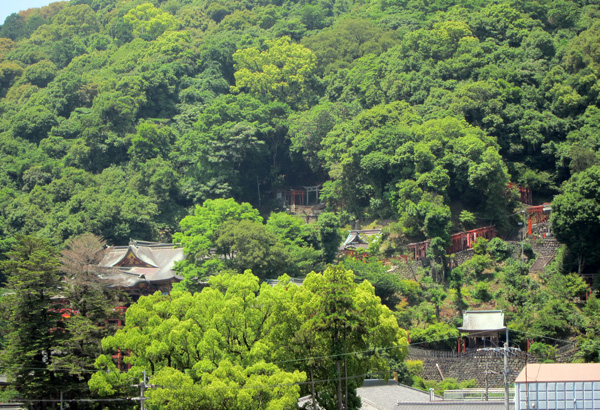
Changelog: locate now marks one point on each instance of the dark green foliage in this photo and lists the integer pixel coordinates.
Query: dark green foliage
(574, 216)
(120, 118)
(329, 235)
(453, 95)
(247, 245)
(33, 278)
(498, 249)
(387, 285)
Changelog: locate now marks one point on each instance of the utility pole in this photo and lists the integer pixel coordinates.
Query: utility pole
(487, 395)
(142, 387)
(506, 399)
(506, 369)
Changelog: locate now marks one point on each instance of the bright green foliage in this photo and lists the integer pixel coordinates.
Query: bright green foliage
(220, 347)
(543, 351)
(438, 335)
(475, 266)
(480, 246)
(208, 350)
(449, 383)
(200, 232)
(339, 321)
(284, 71)
(149, 22)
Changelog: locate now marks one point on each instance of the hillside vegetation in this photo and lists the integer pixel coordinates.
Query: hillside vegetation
(117, 117)
(180, 120)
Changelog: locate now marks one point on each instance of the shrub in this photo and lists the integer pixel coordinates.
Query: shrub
(545, 352)
(414, 367)
(436, 336)
(528, 250)
(480, 246)
(498, 249)
(482, 292)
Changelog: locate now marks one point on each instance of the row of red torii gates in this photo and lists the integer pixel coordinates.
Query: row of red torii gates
(460, 241)
(465, 240)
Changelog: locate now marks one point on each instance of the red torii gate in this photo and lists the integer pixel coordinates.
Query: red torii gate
(460, 241)
(537, 214)
(525, 193)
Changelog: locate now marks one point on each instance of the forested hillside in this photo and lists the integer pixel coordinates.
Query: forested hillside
(180, 120)
(119, 116)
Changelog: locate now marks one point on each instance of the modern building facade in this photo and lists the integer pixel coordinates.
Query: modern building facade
(558, 386)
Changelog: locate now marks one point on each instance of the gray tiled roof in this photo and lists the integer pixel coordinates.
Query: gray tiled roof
(380, 395)
(160, 259)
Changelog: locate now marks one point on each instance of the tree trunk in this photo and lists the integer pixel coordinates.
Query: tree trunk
(314, 396)
(340, 403)
(346, 383)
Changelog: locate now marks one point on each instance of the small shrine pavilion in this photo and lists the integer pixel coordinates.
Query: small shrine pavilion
(483, 327)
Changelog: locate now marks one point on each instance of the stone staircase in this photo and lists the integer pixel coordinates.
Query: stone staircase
(545, 249)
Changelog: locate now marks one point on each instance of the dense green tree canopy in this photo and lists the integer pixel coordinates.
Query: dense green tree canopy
(240, 100)
(233, 344)
(575, 216)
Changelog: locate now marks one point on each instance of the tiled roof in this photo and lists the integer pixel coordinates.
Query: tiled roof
(381, 395)
(158, 262)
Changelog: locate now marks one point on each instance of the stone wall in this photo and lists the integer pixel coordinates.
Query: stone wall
(472, 364)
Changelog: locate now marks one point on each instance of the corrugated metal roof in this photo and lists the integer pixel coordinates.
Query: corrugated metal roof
(482, 320)
(560, 372)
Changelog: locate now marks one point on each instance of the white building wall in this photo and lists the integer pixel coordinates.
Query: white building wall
(558, 396)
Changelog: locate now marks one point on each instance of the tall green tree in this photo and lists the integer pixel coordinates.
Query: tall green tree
(199, 235)
(283, 71)
(33, 278)
(345, 324)
(575, 216)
